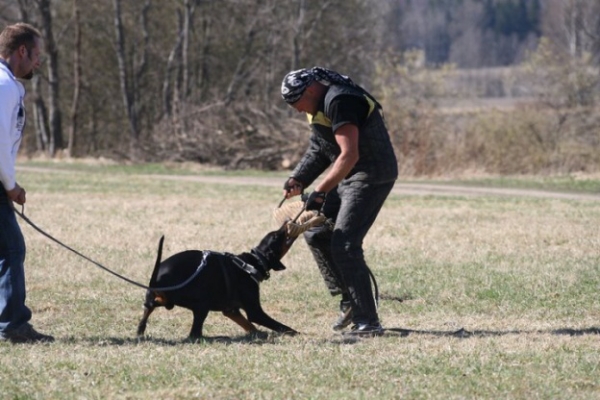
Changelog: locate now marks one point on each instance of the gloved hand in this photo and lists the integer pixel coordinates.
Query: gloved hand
(292, 187)
(315, 201)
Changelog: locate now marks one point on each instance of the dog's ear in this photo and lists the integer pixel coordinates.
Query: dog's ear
(277, 265)
(268, 259)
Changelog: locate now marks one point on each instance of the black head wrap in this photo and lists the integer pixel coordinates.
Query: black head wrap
(295, 83)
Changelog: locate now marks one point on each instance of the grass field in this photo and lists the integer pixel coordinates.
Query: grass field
(518, 276)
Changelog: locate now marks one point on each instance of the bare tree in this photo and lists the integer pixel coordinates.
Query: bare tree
(167, 86)
(76, 80)
(130, 77)
(178, 63)
(54, 112)
(124, 79)
(242, 68)
(40, 116)
(573, 25)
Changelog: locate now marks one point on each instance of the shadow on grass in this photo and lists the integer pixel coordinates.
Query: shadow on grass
(255, 338)
(463, 333)
(264, 338)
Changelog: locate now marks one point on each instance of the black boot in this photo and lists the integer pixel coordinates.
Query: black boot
(365, 330)
(345, 315)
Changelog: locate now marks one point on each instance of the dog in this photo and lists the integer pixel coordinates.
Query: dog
(204, 281)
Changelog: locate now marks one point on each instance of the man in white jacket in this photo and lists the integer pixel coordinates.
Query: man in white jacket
(20, 50)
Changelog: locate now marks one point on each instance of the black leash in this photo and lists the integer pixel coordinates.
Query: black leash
(162, 289)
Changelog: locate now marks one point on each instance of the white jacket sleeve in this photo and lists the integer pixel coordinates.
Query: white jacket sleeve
(8, 136)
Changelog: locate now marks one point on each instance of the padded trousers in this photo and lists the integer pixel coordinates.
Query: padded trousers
(353, 207)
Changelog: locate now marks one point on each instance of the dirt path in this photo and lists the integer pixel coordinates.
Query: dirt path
(401, 188)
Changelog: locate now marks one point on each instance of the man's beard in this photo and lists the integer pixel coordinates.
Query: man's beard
(28, 76)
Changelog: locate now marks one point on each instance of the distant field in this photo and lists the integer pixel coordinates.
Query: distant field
(500, 293)
(454, 105)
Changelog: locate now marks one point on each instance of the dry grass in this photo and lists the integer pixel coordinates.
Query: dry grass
(522, 274)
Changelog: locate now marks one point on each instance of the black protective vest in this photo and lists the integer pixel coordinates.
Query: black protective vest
(377, 162)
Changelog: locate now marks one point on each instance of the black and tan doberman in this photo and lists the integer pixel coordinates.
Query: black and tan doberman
(214, 281)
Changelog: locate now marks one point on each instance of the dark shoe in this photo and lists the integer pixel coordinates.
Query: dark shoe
(365, 330)
(26, 334)
(345, 316)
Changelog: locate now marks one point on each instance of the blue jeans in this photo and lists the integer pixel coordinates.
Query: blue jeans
(13, 311)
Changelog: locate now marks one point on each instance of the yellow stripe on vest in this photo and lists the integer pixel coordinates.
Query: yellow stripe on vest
(319, 119)
(371, 104)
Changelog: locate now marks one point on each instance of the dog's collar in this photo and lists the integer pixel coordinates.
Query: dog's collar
(267, 264)
(256, 274)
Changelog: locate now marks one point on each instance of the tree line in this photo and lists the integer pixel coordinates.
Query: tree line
(198, 80)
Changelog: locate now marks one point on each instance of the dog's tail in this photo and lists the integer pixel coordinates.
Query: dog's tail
(149, 303)
(158, 259)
